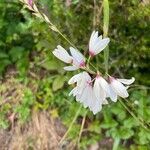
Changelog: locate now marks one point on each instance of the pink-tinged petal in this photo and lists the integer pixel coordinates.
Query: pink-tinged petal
(95, 105)
(105, 86)
(86, 76)
(119, 88)
(62, 54)
(83, 96)
(101, 45)
(101, 88)
(30, 2)
(84, 82)
(93, 37)
(78, 58)
(98, 90)
(87, 92)
(97, 40)
(127, 81)
(112, 95)
(71, 68)
(97, 44)
(91, 53)
(75, 78)
(92, 42)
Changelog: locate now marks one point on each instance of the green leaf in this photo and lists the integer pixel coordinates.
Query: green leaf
(3, 55)
(51, 65)
(109, 124)
(125, 133)
(16, 53)
(129, 123)
(58, 83)
(144, 137)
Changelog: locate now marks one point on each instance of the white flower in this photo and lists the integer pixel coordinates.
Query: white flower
(84, 92)
(81, 80)
(101, 89)
(77, 60)
(62, 54)
(117, 87)
(97, 44)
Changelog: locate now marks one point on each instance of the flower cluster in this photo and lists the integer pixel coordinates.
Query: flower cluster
(91, 91)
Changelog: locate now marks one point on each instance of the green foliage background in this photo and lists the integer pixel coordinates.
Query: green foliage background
(26, 44)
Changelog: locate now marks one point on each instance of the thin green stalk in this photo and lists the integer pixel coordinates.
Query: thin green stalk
(71, 124)
(106, 59)
(41, 15)
(81, 129)
(134, 116)
(66, 38)
(105, 30)
(139, 116)
(88, 61)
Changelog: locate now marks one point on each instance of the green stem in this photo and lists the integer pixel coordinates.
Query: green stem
(106, 58)
(89, 70)
(74, 119)
(134, 116)
(116, 144)
(105, 30)
(66, 38)
(88, 61)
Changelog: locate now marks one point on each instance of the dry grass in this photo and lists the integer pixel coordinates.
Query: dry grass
(41, 133)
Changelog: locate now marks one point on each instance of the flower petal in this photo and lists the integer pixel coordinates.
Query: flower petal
(73, 92)
(75, 78)
(87, 93)
(62, 54)
(95, 105)
(127, 81)
(70, 68)
(119, 88)
(105, 86)
(98, 90)
(94, 39)
(101, 45)
(112, 94)
(79, 59)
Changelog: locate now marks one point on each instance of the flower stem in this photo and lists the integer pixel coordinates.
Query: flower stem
(81, 129)
(74, 119)
(134, 116)
(88, 61)
(105, 30)
(51, 25)
(66, 38)
(116, 143)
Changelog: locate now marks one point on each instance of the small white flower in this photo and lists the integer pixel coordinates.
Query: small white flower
(77, 60)
(97, 44)
(101, 88)
(84, 92)
(62, 54)
(81, 80)
(117, 87)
